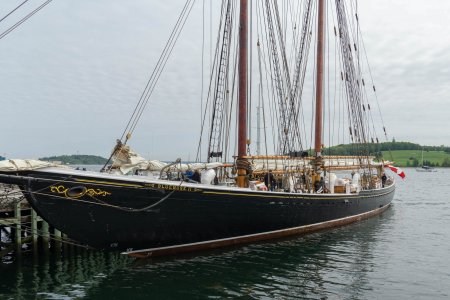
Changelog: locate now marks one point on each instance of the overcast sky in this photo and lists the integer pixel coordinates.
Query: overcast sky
(71, 75)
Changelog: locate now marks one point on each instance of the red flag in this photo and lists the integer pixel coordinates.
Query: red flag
(396, 170)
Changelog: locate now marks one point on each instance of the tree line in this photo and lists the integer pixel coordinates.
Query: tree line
(77, 159)
(376, 148)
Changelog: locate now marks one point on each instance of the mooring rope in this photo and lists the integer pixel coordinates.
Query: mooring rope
(48, 235)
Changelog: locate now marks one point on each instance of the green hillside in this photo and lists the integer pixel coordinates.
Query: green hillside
(413, 158)
(77, 159)
(376, 148)
(405, 154)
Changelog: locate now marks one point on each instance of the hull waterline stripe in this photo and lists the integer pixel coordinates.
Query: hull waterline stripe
(213, 244)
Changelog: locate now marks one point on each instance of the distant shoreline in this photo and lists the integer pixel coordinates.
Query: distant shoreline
(76, 159)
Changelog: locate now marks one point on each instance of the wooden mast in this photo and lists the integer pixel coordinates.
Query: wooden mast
(319, 78)
(242, 114)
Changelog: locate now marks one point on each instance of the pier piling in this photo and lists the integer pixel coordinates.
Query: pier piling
(18, 229)
(34, 232)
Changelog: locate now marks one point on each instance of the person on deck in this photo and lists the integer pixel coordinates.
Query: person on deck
(197, 176)
(319, 185)
(269, 180)
(189, 173)
(383, 179)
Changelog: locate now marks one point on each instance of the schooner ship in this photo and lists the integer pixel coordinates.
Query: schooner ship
(234, 195)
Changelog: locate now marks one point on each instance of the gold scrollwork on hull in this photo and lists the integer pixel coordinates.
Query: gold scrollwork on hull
(96, 192)
(62, 190)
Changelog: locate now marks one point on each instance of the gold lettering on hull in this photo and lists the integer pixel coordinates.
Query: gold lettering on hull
(172, 187)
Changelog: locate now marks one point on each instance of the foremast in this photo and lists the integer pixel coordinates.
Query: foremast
(242, 114)
(318, 163)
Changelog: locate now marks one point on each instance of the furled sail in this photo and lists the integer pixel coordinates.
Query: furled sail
(13, 165)
(126, 161)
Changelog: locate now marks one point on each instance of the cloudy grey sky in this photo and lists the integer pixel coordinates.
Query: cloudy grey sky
(71, 75)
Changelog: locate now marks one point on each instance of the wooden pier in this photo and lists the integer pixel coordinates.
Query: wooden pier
(22, 230)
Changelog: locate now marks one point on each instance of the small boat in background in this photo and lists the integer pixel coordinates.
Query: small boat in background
(425, 168)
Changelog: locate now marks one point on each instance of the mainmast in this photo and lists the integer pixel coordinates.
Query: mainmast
(242, 114)
(319, 79)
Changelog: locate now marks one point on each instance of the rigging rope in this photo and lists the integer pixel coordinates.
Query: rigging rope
(8, 14)
(20, 22)
(214, 67)
(154, 77)
(221, 84)
(153, 80)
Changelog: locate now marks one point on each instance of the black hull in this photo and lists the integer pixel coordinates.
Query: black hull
(127, 213)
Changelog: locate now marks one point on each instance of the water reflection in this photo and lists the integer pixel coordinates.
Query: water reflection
(51, 277)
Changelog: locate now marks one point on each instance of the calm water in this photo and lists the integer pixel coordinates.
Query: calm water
(402, 254)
